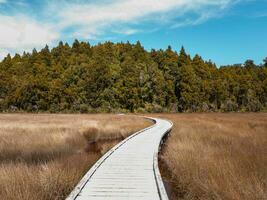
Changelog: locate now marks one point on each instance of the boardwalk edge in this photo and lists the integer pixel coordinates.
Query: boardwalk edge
(160, 185)
(75, 192)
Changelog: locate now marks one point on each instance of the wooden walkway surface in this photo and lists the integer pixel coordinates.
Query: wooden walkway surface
(129, 171)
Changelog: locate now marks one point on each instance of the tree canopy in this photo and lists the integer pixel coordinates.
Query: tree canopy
(124, 77)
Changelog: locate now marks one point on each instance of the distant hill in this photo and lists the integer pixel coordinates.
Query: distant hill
(124, 77)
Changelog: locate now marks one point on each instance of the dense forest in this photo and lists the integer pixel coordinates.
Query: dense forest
(124, 77)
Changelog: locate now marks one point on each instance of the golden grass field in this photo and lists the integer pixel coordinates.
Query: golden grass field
(217, 156)
(208, 156)
(43, 156)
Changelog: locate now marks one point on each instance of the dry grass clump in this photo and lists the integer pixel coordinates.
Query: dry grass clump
(217, 156)
(108, 131)
(44, 156)
(91, 133)
(47, 180)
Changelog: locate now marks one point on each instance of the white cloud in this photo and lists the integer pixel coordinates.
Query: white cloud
(95, 19)
(126, 31)
(98, 18)
(201, 18)
(20, 33)
(3, 53)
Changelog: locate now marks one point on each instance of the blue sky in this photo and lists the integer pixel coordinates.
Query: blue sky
(225, 31)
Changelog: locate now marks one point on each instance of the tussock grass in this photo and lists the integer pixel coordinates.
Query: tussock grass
(217, 156)
(44, 156)
(107, 131)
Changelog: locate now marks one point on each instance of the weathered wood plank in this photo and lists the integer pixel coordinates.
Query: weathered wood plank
(129, 170)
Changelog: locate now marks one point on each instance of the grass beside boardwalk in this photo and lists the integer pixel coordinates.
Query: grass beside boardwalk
(44, 156)
(217, 156)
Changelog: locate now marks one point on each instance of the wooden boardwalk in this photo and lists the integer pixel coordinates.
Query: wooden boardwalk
(129, 171)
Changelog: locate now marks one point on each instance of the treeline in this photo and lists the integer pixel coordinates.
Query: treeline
(125, 77)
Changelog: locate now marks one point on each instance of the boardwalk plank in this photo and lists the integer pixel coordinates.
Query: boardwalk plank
(128, 171)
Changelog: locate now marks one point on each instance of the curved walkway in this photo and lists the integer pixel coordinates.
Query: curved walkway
(129, 171)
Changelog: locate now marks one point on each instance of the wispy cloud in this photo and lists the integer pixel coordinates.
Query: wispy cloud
(98, 18)
(61, 19)
(126, 31)
(199, 18)
(259, 15)
(18, 33)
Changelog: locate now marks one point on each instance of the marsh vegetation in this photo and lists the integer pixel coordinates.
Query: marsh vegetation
(44, 156)
(217, 156)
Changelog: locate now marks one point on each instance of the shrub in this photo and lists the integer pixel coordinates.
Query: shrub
(84, 108)
(156, 108)
(140, 110)
(254, 105)
(90, 133)
(229, 106)
(204, 107)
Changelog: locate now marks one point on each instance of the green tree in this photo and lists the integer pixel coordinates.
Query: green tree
(113, 77)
